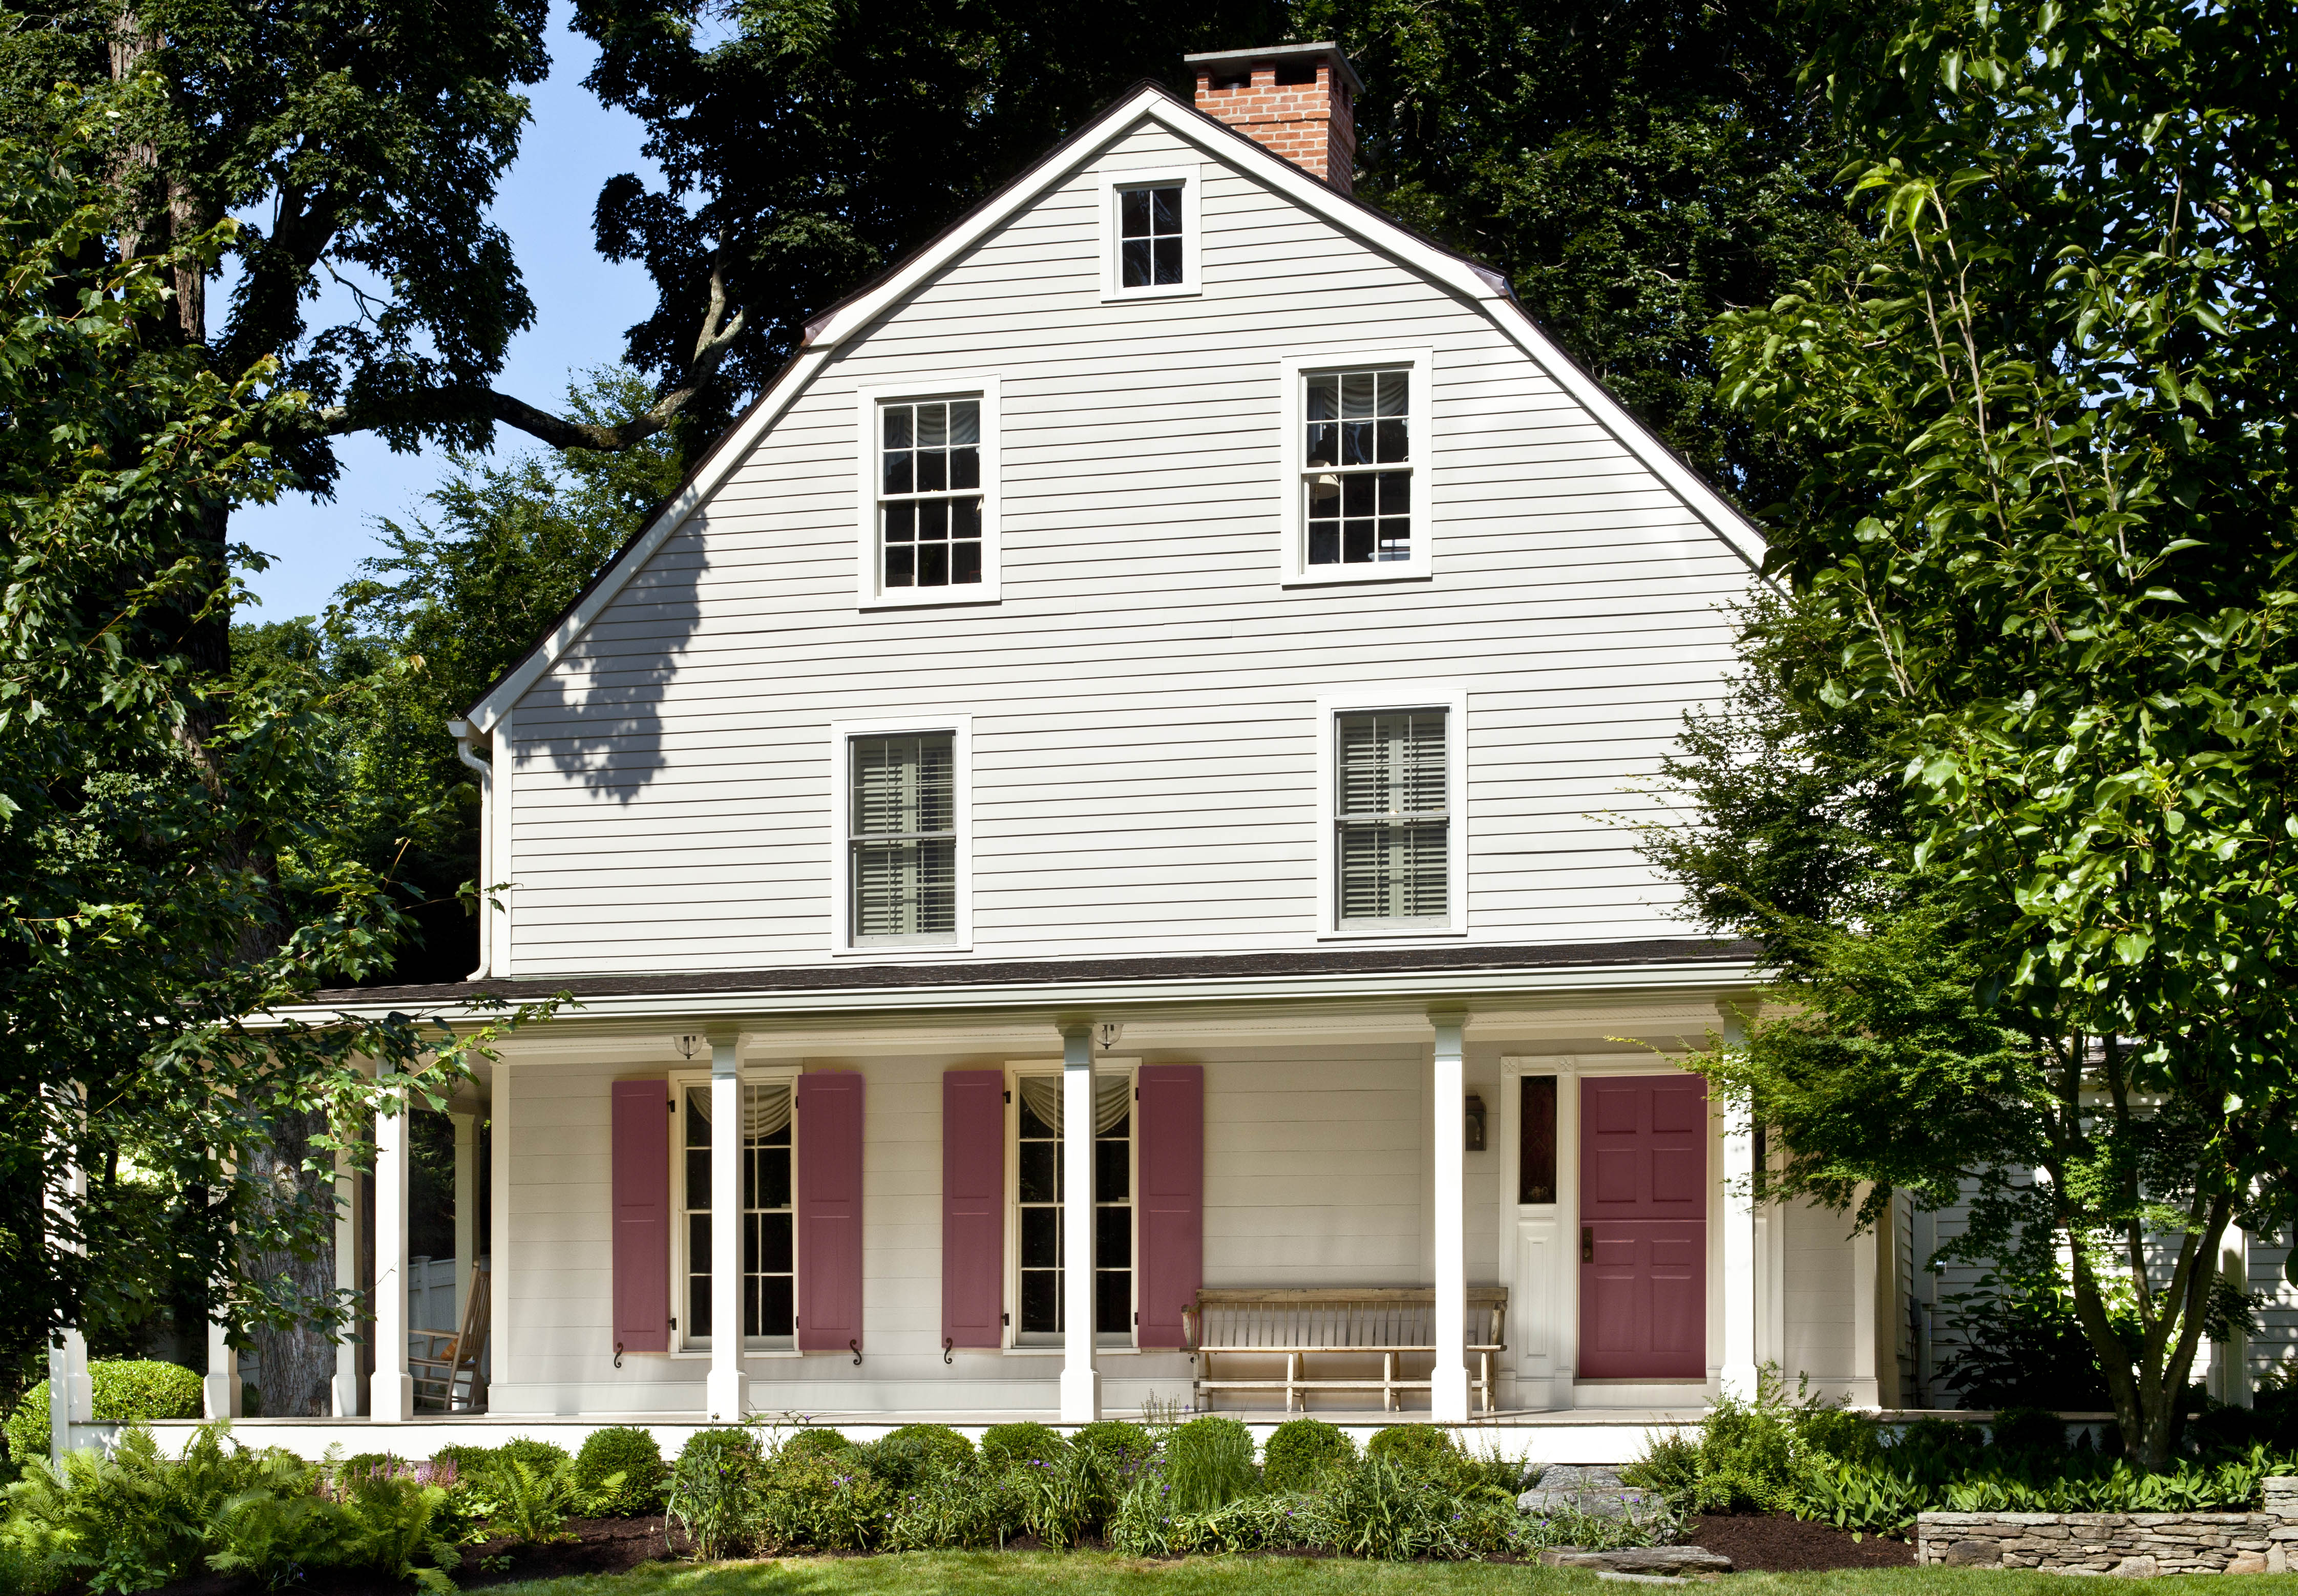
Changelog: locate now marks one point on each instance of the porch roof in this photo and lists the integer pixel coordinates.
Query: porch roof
(1452, 972)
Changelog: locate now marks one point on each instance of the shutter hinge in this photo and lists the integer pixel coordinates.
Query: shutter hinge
(1005, 1318)
(1009, 1096)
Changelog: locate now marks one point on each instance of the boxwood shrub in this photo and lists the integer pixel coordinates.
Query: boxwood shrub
(127, 1391)
(1300, 1451)
(624, 1450)
(1002, 1445)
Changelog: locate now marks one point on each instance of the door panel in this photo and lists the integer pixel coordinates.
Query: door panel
(1644, 1214)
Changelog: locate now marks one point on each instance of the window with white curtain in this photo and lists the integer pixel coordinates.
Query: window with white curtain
(769, 1283)
(1039, 1182)
(902, 842)
(1391, 819)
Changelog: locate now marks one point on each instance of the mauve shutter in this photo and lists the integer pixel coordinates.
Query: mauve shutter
(829, 1213)
(641, 1187)
(1173, 1218)
(973, 1207)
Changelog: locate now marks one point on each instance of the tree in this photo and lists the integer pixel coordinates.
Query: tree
(2047, 563)
(885, 122)
(428, 627)
(155, 873)
(1636, 167)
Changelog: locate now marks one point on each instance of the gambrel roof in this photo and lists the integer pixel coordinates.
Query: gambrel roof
(1472, 281)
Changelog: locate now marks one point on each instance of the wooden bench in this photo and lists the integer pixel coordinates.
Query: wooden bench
(1328, 1322)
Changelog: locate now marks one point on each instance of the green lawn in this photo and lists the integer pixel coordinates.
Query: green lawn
(1099, 1573)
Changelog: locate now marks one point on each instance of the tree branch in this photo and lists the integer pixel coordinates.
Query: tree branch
(717, 334)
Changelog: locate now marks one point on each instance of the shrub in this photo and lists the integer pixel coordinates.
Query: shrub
(1209, 1463)
(1750, 1456)
(2029, 1431)
(964, 1505)
(903, 1457)
(948, 1449)
(1300, 1451)
(1002, 1445)
(1058, 1499)
(812, 1498)
(127, 1391)
(1124, 1448)
(1390, 1511)
(713, 1489)
(536, 1454)
(468, 1461)
(630, 1452)
(1425, 1446)
(1145, 1523)
(811, 1442)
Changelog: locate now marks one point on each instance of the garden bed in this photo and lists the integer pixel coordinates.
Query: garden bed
(1777, 1543)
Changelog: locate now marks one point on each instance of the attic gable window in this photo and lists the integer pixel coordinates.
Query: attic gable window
(1149, 227)
(929, 493)
(1357, 468)
(1149, 246)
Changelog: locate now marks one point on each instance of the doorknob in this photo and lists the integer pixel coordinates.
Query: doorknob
(1587, 1243)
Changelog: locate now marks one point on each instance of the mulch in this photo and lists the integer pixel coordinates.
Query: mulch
(1775, 1544)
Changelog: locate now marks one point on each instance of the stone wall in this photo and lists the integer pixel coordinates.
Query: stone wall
(2124, 1543)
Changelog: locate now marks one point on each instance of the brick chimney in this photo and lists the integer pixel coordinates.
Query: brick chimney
(1298, 100)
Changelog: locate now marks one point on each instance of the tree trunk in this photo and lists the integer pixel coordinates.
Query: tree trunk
(295, 1366)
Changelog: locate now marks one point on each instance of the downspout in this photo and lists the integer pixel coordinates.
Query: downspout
(463, 732)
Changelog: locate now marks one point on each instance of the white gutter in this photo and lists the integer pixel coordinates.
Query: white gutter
(1419, 985)
(463, 732)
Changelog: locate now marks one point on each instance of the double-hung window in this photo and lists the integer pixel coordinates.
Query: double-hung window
(1391, 851)
(1040, 1181)
(1149, 234)
(930, 495)
(769, 1283)
(1356, 469)
(902, 837)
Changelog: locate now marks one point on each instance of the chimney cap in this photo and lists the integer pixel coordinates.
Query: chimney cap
(1214, 61)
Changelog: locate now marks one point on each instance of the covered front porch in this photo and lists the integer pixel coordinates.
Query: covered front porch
(973, 1218)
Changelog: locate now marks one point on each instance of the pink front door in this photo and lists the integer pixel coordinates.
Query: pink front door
(1644, 1226)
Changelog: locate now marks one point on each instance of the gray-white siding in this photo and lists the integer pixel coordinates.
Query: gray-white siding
(1144, 732)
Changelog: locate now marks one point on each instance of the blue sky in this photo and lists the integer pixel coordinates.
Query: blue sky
(582, 303)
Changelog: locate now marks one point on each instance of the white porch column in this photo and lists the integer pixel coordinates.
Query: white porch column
(346, 1391)
(467, 1209)
(220, 1391)
(1081, 1380)
(72, 1396)
(1738, 1375)
(728, 1388)
(390, 1398)
(1448, 1391)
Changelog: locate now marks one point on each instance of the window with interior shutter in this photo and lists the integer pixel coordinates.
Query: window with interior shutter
(903, 864)
(1392, 841)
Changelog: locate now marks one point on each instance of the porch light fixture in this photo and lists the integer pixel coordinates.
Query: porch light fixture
(687, 1045)
(1106, 1034)
(1475, 1142)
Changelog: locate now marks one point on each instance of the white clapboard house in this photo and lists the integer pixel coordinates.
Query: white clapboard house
(1094, 847)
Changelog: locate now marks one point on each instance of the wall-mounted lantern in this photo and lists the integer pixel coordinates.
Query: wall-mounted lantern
(1475, 1124)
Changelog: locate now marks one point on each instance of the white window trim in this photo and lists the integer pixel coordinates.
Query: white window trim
(843, 734)
(1421, 363)
(1112, 275)
(1453, 699)
(1012, 1311)
(683, 1341)
(869, 593)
